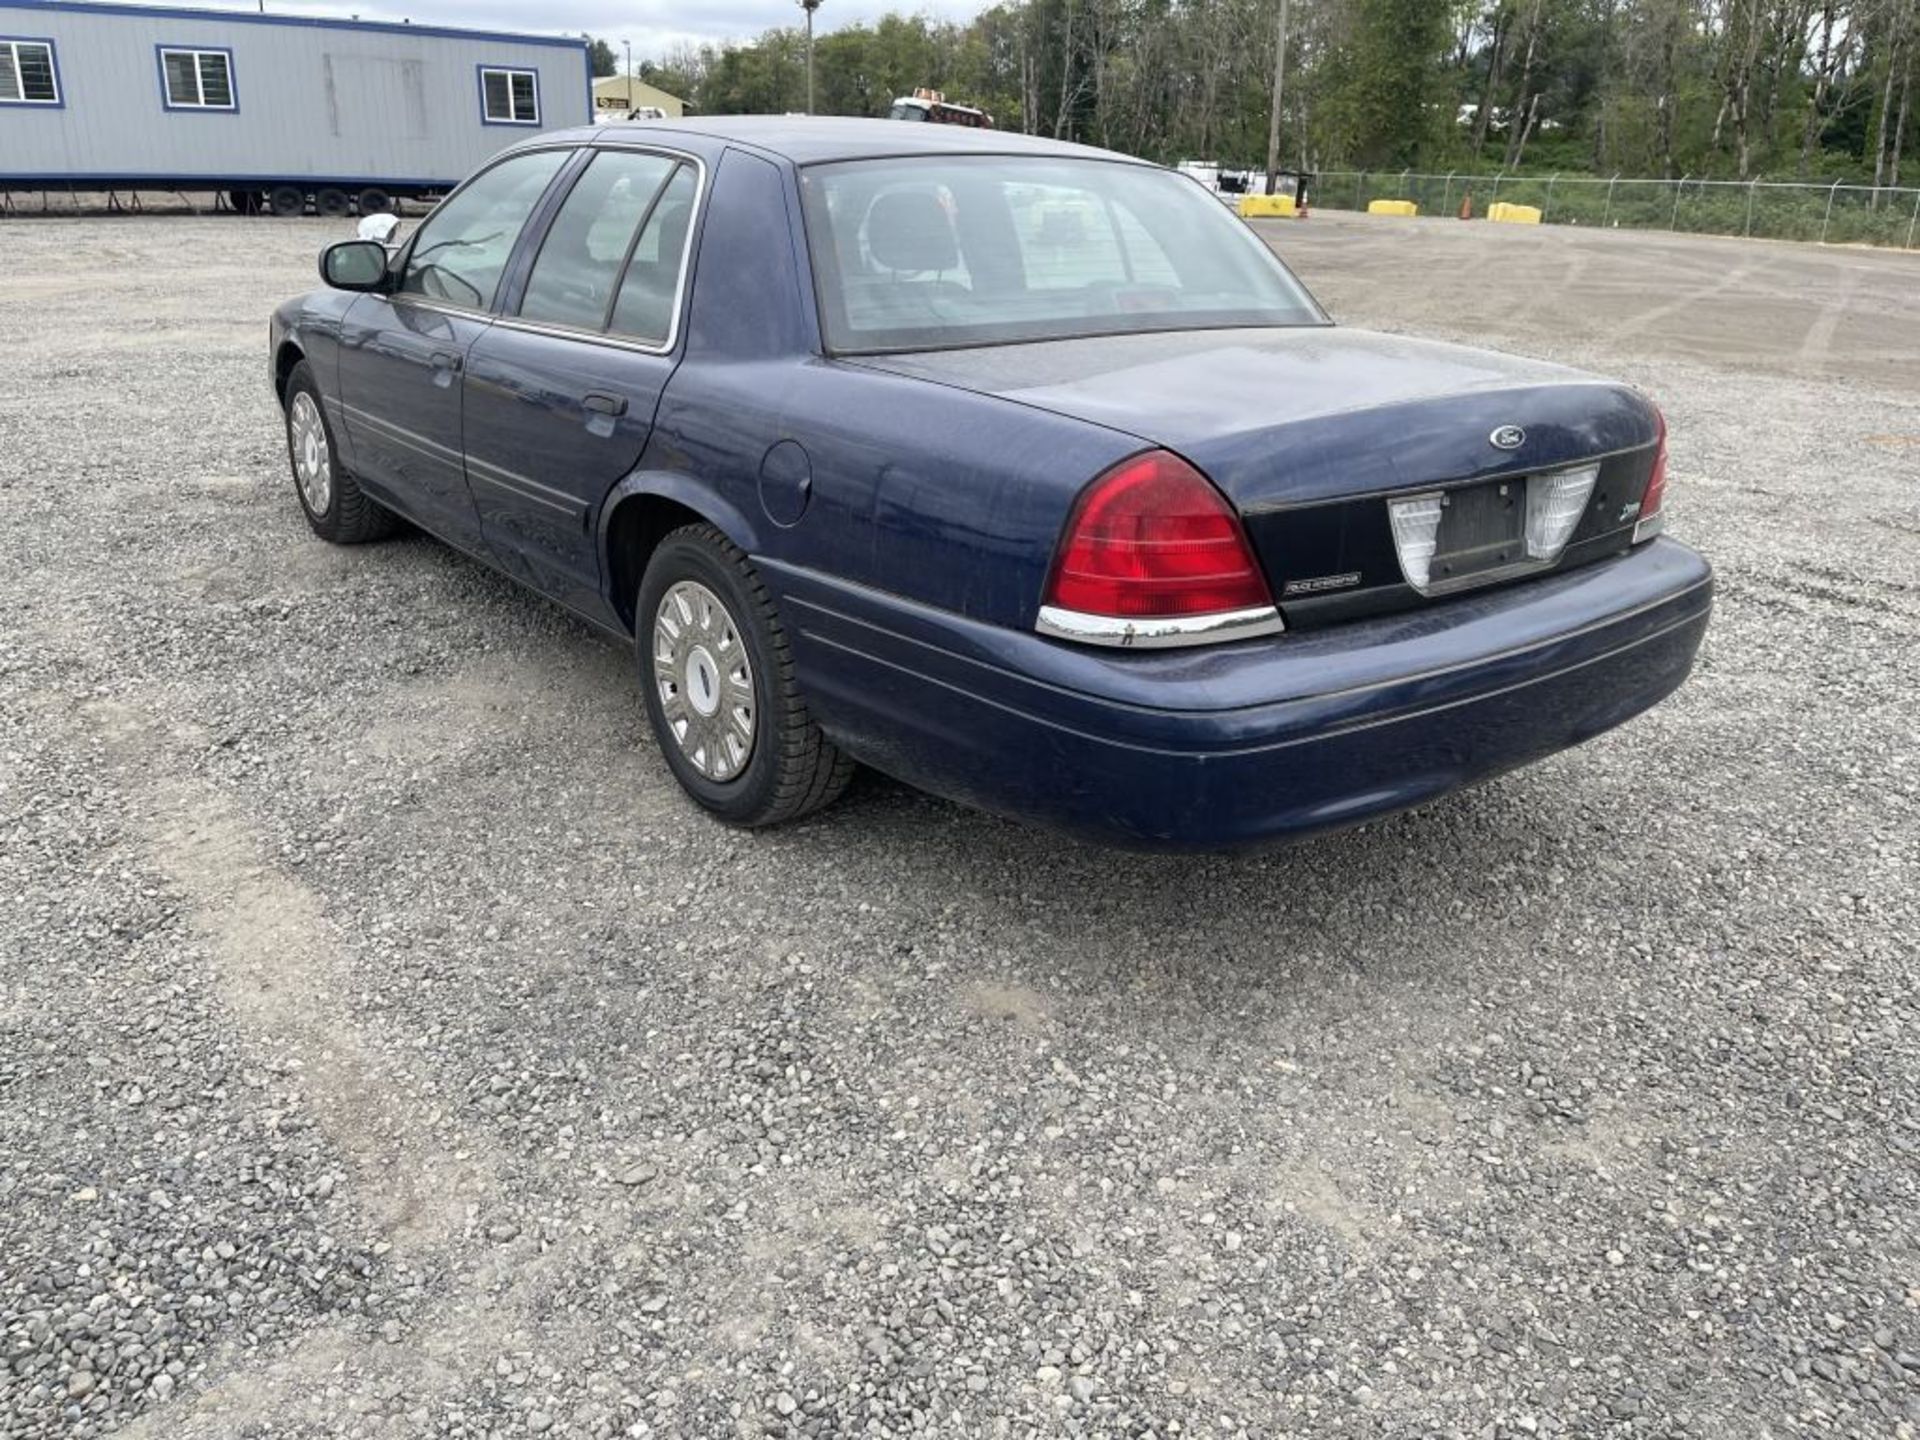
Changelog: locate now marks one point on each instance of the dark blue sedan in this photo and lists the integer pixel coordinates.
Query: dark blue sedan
(1018, 470)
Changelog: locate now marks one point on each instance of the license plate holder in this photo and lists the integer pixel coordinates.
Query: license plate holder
(1483, 530)
(1489, 530)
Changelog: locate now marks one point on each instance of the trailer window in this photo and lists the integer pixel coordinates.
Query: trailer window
(28, 75)
(197, 79)
(509, 97)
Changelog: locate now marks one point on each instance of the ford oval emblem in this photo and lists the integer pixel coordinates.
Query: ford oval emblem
(1508, 437)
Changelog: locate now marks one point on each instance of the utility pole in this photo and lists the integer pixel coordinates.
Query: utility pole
(629, 46)
(1273, 118)
(809, 6)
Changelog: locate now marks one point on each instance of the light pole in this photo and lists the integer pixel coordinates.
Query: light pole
(1273, 116)
(809, 6)
(629, 46)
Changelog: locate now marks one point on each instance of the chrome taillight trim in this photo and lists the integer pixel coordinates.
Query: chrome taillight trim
(1148, 633)
(1649, 526)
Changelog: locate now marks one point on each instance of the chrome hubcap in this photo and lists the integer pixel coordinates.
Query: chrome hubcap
(705, 680)
(312, 462)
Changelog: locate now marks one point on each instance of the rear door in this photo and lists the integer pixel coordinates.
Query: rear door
(562, 389)
(402, 354)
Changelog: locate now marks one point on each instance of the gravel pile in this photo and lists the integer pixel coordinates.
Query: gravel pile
(386, 1049)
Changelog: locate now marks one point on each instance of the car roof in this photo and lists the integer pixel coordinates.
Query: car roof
(817, 139)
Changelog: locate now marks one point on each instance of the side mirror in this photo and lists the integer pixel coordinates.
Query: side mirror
(355, 265)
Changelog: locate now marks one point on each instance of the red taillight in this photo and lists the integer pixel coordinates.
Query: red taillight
(1152, 538)
(1649, 522)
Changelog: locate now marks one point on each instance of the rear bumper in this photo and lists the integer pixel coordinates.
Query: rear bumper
(1264, 740)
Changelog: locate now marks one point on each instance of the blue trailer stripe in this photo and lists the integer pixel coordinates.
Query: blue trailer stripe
(106, 180)
(243, 17)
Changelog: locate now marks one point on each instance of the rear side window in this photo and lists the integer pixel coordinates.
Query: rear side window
(648, 294)
(462, 248)
(197, 79)
(28, 75)
(574, 280)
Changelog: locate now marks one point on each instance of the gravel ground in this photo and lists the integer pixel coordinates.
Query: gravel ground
(387, 1050)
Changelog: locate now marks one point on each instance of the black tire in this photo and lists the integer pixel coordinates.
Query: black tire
(792, 768)
(287, 201)
(333, 203)
(375, 201)
(349, 516)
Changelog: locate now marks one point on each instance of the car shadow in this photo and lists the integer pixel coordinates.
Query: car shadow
(928, 851)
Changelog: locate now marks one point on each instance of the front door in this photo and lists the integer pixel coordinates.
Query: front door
(561, 390)
(402, 355)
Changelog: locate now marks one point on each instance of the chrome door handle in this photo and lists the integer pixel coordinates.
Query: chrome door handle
(446, 360)
(606, 404)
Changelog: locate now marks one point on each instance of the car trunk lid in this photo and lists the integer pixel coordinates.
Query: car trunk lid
(1312, 432)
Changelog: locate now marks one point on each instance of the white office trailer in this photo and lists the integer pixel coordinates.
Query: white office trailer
(265, 110)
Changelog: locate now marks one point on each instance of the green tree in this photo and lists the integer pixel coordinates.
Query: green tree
(1385, 94)
(1714, 88)
(600, 55)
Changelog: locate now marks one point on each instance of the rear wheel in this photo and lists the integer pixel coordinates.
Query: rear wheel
(375, 201)
(287, 201)
(332, 203)
(717, 674)
(336, 507)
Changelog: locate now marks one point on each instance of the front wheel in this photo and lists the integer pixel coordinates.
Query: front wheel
(335, 506)
(717, 674)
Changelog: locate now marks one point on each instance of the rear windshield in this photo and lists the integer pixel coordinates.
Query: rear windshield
(941, 251)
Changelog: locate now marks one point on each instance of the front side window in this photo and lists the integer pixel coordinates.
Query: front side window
(509, 97)
(922, 253)
(462, 248)
(197, 79)
(574, 280)
(28, 75)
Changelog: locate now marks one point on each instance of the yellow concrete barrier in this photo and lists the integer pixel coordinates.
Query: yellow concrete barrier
(1513, 214)
(1392, 207)
(1266, 207)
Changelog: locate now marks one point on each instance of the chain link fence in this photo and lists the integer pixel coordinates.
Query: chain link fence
(1779, 210)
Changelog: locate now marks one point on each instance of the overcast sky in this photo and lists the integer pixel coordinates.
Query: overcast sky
(654, 26)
